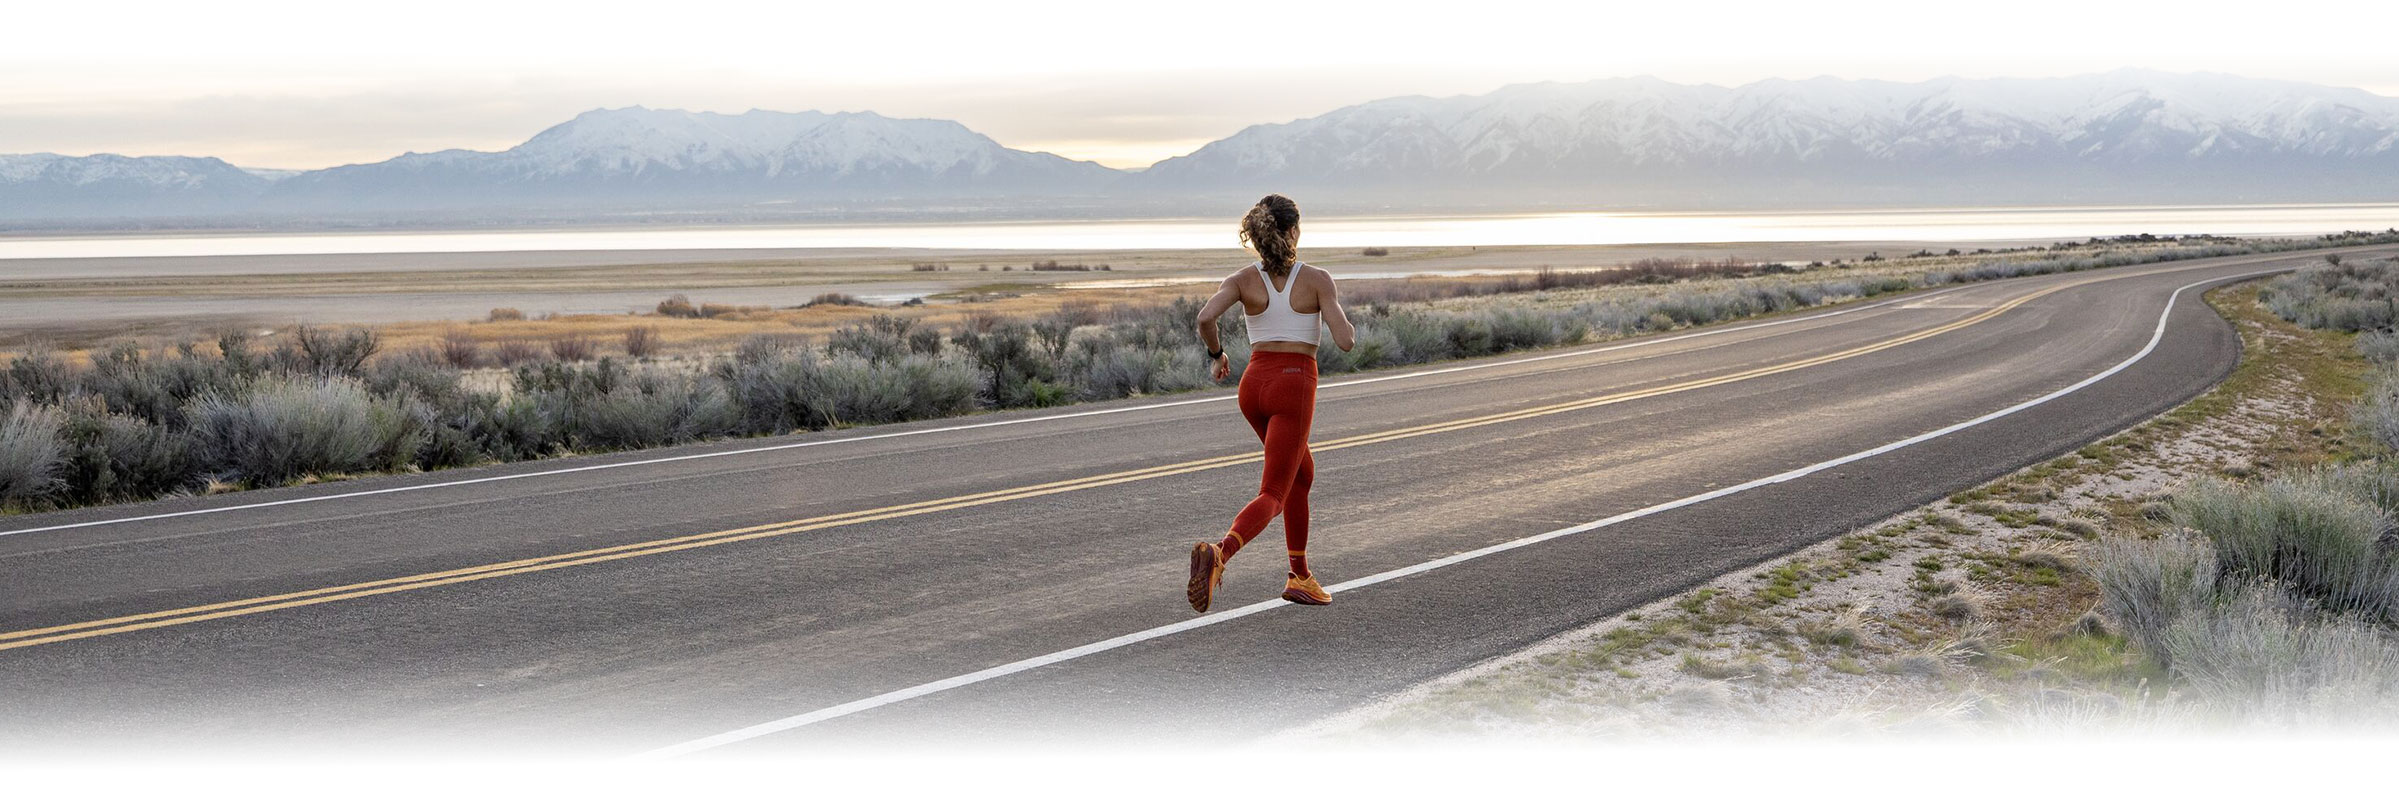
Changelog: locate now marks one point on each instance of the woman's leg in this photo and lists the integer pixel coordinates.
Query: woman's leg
(1295, 515)
(1286, 406)
(1286, 442)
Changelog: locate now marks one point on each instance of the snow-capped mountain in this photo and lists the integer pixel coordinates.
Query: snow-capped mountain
(644, 157)
(2128, 133)
(51, 185)
(2127, 136)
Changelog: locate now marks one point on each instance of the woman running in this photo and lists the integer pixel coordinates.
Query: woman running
(1283, 299)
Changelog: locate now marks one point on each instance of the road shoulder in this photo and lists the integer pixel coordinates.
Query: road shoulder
(1969, 614)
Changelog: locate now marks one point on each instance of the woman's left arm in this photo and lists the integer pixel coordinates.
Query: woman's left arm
(1345, 335)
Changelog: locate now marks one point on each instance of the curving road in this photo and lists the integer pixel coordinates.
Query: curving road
(1015, 578)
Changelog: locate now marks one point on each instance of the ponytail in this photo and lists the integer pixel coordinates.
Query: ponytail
(1272, 229)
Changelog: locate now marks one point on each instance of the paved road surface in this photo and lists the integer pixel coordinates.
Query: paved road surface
(651, 600)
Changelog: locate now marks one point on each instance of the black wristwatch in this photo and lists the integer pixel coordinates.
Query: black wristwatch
(1215, 354)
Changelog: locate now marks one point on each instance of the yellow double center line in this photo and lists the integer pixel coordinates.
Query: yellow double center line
(182, 616)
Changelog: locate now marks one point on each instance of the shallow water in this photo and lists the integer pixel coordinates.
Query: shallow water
(1926, 225)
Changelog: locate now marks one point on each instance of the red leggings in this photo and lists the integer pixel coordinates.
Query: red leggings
(1278, 396)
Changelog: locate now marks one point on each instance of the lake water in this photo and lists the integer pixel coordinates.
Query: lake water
(1926, 225)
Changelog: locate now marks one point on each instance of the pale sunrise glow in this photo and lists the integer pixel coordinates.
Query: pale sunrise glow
(305, 85)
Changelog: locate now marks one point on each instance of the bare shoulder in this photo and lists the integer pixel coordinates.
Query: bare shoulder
(1317, 276)
(1241, 277)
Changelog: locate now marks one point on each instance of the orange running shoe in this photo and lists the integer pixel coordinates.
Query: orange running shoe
(1207, 570)
(1305, 591)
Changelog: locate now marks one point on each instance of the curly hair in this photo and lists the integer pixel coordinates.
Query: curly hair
(1272, 229)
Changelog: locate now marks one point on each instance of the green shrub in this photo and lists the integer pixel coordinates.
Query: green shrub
(2148, 584)
(2380, 347)
(115, 457)
(33, 457)
(848, 390)
(2355, 296)
(285, 428)
(649, 409)
(2377, 413)
(2304, 532)
(2256, 653)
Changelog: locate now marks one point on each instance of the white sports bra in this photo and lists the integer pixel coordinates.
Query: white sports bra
(1280, 323)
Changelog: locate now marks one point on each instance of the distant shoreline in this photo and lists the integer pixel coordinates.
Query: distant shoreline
(575, 244)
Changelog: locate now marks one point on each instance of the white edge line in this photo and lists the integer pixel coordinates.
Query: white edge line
(971, 426)
(920, 690)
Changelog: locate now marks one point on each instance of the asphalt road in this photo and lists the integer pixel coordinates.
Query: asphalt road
(651, 600)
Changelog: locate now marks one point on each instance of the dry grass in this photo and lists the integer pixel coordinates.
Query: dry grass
(698, 335)
(685, 326)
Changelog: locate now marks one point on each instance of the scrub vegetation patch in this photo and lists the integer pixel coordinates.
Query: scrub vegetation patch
(133, 422)
(2227, 565)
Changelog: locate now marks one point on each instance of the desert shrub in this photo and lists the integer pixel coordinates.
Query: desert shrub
(573, 347)
(2323, 543)
(33, 457)
(233, 347)
(328, 353)
(834, 299)
(285, 428)
(848, 390)
(1375, 251)
(505, 315)
(766, 347)
(1016, 390)
(513, 429)
(423, 375)
(2253, 651)
(126, 421)
(446, 441)
(641, 342)
(1375, 347)
(650, 409)
(2377, 413)
(678, 306)
(770, 389)
(116, 457)
(460, 350)
(1016, 373)
(2337, 296)
(2380, 347)
(1053, 333)
(156, 389)
(514, 352)
(1102, 369)
(882, 340)
(924, 342)
(1522, 329)
(1420, 336)
(2146, 585)
(719, 310)
(2373, 482)
(38, 377)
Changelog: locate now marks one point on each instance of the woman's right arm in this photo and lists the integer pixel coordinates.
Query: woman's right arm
(1345, 335)
(1227, 294)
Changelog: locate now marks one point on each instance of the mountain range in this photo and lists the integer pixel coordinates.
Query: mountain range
(2126, 136)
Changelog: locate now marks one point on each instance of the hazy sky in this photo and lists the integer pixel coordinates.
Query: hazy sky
(312, 84)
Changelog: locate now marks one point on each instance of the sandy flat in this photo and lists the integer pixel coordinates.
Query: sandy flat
(49, 296)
